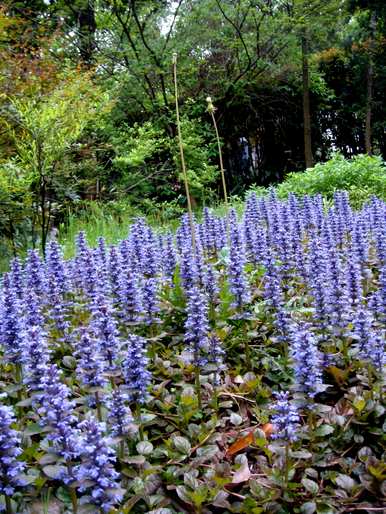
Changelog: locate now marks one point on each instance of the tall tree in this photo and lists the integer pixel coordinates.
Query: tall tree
(309, 159)
(371, 17)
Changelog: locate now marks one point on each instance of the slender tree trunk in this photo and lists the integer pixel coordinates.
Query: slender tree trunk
(369, 101)
(309, 159)
(370, 81)
(87, 29)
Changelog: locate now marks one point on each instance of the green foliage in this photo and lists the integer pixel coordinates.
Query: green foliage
(50, 125)
(147, 162)
(40, 175)
(362, 176)
(201, 174)
(15, 209)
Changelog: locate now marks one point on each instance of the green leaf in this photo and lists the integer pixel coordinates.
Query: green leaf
(53, 471)
(324, 430)
(308, 508)
(183, 494)
(28, 479)
(310, 486)
(182, 444)
(144, 448)
(147, 418)
(34, 428)
(325, 508)
(364, 453)
(301, 454)
(207, 452)
(48, 458)
(63, 495)
(236, 419)
(69, 361)
(135, 459)
(345, 482)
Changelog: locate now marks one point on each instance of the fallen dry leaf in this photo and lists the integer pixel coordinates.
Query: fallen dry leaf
(248, 439)
(268, 429)
(240, 444)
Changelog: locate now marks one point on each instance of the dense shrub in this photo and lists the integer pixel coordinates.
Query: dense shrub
(362, 176)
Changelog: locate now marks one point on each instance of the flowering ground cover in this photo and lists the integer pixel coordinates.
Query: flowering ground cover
(234, 366)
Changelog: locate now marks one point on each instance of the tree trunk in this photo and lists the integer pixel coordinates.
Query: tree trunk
(369, 80)
(309, 159)
(87, 28)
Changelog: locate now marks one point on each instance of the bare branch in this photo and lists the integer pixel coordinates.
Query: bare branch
(237, 29)
(172, 26)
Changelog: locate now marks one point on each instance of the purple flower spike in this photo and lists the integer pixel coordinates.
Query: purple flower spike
(120, 418)
(370, 343)
(273, 294)
(35, 275)
(11, 323)
(56, 270)
(238, 283)
(104, 327)
(150, 300)
(36, 355)
(134, 367)
(96, 474)
(197, 325)
(129, 296)
(57, 412)
(10, 467)
(169, 259)
(286, 418)
(33, 310)
(90, 364)
(216, 354)
(307, 361)
(17, 277)
(188, 267)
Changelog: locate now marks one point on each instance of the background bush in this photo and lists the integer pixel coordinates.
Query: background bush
(362, 176)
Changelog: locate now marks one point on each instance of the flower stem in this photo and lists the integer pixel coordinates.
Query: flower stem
(74, 500)
(286, 465)
(98, 406)
(248, 358)
(8, 505)
(215, 395)
(121, 450)
(19, 380)
(138, 416)
(183, 165)
(370, 381)
(198, 386)
(211, 110)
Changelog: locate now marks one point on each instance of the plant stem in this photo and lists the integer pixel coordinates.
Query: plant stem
(8, 505)
(215, 394)
(19, 380)
(286, 465)
(198, 386)
(138, 416)
(183, 165)
(98, 406)
(247, 355)
(74, 500)
(121, 450)
(370, 381)
(248, 359)
(211, 110)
